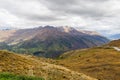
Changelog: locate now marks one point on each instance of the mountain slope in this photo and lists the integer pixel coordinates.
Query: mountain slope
(114, 43)
(28, 65)
(52, 41)
(6, 34)
(102, 63)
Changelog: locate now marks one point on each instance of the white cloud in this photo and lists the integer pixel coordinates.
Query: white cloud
(99, 15)
(6, 18)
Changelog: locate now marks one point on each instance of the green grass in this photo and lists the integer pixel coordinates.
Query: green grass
(8, 76)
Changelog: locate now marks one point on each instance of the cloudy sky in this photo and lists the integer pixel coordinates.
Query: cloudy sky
(98, 15)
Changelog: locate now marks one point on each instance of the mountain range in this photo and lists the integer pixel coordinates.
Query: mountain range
(114, 37)
(98, 63)
(6, 27)
(78, 54)
(49, 41)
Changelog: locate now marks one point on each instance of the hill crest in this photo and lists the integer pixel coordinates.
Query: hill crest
(31, 66)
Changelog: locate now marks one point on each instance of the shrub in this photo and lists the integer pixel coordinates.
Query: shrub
(8, 76)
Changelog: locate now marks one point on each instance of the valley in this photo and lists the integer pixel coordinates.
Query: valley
(62, 53)
(59, 40)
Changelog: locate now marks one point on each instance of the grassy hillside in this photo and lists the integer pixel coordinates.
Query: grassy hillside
(102, 63)
(31, 66)
(115, 43)
(8, 76)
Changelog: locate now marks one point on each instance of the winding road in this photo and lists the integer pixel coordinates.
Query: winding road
(117, 48)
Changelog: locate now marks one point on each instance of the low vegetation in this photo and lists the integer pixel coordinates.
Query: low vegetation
(31, 66)
(8, 76)
(102, 63)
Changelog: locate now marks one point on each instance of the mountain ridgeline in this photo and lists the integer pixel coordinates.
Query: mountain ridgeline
(114, 43)
(49, 41)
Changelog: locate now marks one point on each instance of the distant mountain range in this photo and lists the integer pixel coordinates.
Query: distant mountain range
(115, 36)
(6, 28)
(49, 41)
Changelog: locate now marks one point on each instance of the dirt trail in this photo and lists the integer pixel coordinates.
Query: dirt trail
(117, 48)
